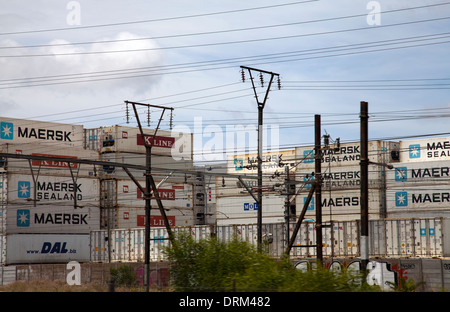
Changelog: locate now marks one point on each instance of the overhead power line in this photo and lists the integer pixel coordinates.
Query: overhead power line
(159, 19)
(218, 31)
(246, 41)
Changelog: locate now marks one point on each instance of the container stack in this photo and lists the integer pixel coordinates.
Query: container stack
(123, 204)
(48, 208)
(418, 186)
(235, 205)
(341, 179)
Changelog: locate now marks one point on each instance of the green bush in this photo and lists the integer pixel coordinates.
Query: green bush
(124, 275)
(212, 265)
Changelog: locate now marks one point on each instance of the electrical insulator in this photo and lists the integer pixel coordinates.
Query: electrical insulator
(279, 83)
(243, 75)
(171, 120)
(127, 113)
(261, 78)
(148, 116)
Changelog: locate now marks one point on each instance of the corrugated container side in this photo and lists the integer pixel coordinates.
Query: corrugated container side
(342, 177)
(53, 190)
(99, 246)
(47, 219)
(421, 199)
(243, 209)
(417, 174)
(157, 162)
(233, 187)
(52, 168)
(41, 132)
(131, 217)
(92, 139)
(340, 206)
(272, 162)
(47, 248)
(425, 149)
(348, 154)
(172, 195)
(129, 140)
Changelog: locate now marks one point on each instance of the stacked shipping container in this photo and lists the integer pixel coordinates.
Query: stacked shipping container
(419, 185)
(341, 179)
(123, 204)
(48, 208)
(235, 205)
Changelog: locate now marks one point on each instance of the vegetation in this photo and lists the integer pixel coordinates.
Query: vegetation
(212, 265)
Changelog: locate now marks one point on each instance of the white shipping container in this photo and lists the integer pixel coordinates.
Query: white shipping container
(243, 209)
(157, 162)
(53, 190)
(131, 217)
(340, 205)
(272, 162)
(20, 131)
(129, 140)
(342, 177)
(418, 173)
(53, 168)
(424, 198)
(425, 150)
(348, 154)
(52, 219)
(172, 195)
(228, 186)
(47, 248)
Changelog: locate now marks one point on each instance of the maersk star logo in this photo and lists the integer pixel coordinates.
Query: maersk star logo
(309, 156)
(401, 199)
(238, 164)
(311, 203)
(414, 151)
(401, 174)
(6, 130)
(23, 217)
(24, 189)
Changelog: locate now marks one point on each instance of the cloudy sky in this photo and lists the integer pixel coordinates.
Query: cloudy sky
(78, 61)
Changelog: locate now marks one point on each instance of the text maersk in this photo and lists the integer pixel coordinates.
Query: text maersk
(44, 134)
(60, 218)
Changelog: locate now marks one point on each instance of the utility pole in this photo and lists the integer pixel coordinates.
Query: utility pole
(318, 180)
(149, 185)
(287, 204)
(261, 105)
(364, 163)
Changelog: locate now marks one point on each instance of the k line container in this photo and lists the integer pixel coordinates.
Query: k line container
(40, 132)
(47, 248)
(53, 190)
(47, 219)
(418, 173)
(172, 195)
(157, 162)
(129, 140)
(348, 154)
(271, 162)
(48, 167)
(131, 217)
(431, 149)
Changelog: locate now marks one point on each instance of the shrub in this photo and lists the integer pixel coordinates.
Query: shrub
(213, 265)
